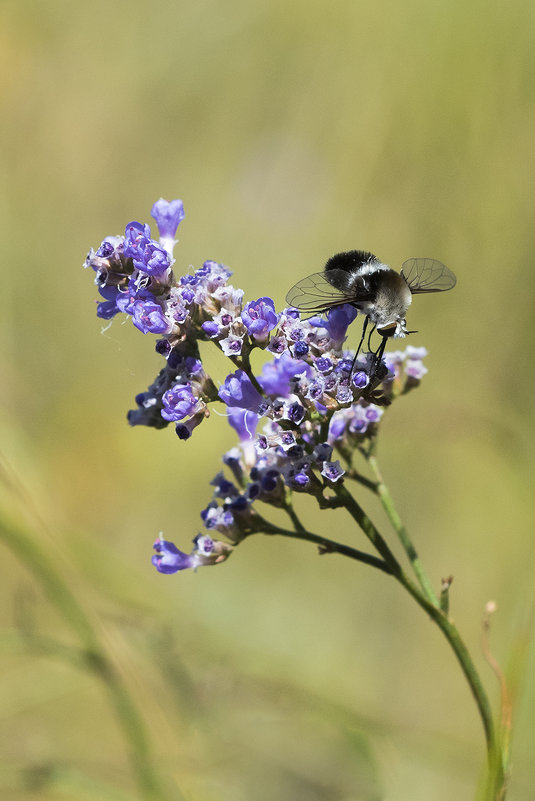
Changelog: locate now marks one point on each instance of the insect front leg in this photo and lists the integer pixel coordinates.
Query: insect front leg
(370, 338)
(364, 327)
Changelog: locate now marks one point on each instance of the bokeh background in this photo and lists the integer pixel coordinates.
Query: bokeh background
(291, 131)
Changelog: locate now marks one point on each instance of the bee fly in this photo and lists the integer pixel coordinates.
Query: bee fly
(383, 295)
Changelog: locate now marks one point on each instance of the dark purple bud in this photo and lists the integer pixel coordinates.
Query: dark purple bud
(163, 347)
(323, 364)
(300, 349)
(360, 379)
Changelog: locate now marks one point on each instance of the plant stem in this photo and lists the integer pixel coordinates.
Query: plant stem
(325, 545)
(243, 362)
(445, 623)
(388, 505)
(358, 514)
(330, 546)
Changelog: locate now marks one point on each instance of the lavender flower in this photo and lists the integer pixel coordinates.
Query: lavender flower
(179, 402)
(147, 255)
(149, 318)
(332, 471)
(239, 391)
(168, 216)
(260, 318)
(244, 422)
(206, 551)
(315, 402)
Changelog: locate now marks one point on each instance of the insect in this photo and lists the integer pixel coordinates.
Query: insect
(383, 295)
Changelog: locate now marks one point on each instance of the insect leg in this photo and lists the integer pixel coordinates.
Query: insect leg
(378, 355)
(364, 327)
(370, 339)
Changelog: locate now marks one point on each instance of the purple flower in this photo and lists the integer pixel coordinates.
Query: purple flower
(300, 478)
(332, 471)
(168, 559)
(344, 393)
(338, 320)
(106, 248)
(128, 297)
(260, 317)
(156, 261)
(223, 487)
(150, 319)
(323, 364)
(287, 440)
(277, 345)
(231, 345)
(359, 379)
(373, 414)
(232, 459)
(204, 544)
(178, 402)
(206, 551)
(243, 422)
(414, 368)
(322, 452)
(168, 216)
(136, 234)
(210, 328)
(163, 347)
(300, 349)
(276, 375)
(337, 426)
(215, 517)
(184, 430)
(295, 412)
(239, 391)
(107, 308)
(147, 255)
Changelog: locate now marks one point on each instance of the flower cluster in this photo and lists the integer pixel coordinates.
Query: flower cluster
(311, 403)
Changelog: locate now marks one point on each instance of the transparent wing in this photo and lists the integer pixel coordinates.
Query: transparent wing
(315, 294)
(427, 275)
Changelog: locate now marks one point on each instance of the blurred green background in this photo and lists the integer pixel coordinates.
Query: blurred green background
(291, 131)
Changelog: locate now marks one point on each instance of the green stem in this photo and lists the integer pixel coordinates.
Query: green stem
(330, 546)
(358, 514)
(325, 545)
(401, 531)
(354, 475)
(244, 363)
(445, 624)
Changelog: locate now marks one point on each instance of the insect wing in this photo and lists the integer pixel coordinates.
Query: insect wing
(427, 275)
(315, 294)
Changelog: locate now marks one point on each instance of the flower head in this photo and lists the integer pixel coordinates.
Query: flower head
(206, 551)
(314, 401)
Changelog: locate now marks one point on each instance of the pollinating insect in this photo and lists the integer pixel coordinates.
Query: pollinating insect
(359, 279)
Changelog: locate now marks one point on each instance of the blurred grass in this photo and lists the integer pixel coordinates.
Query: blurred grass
(291, 132)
